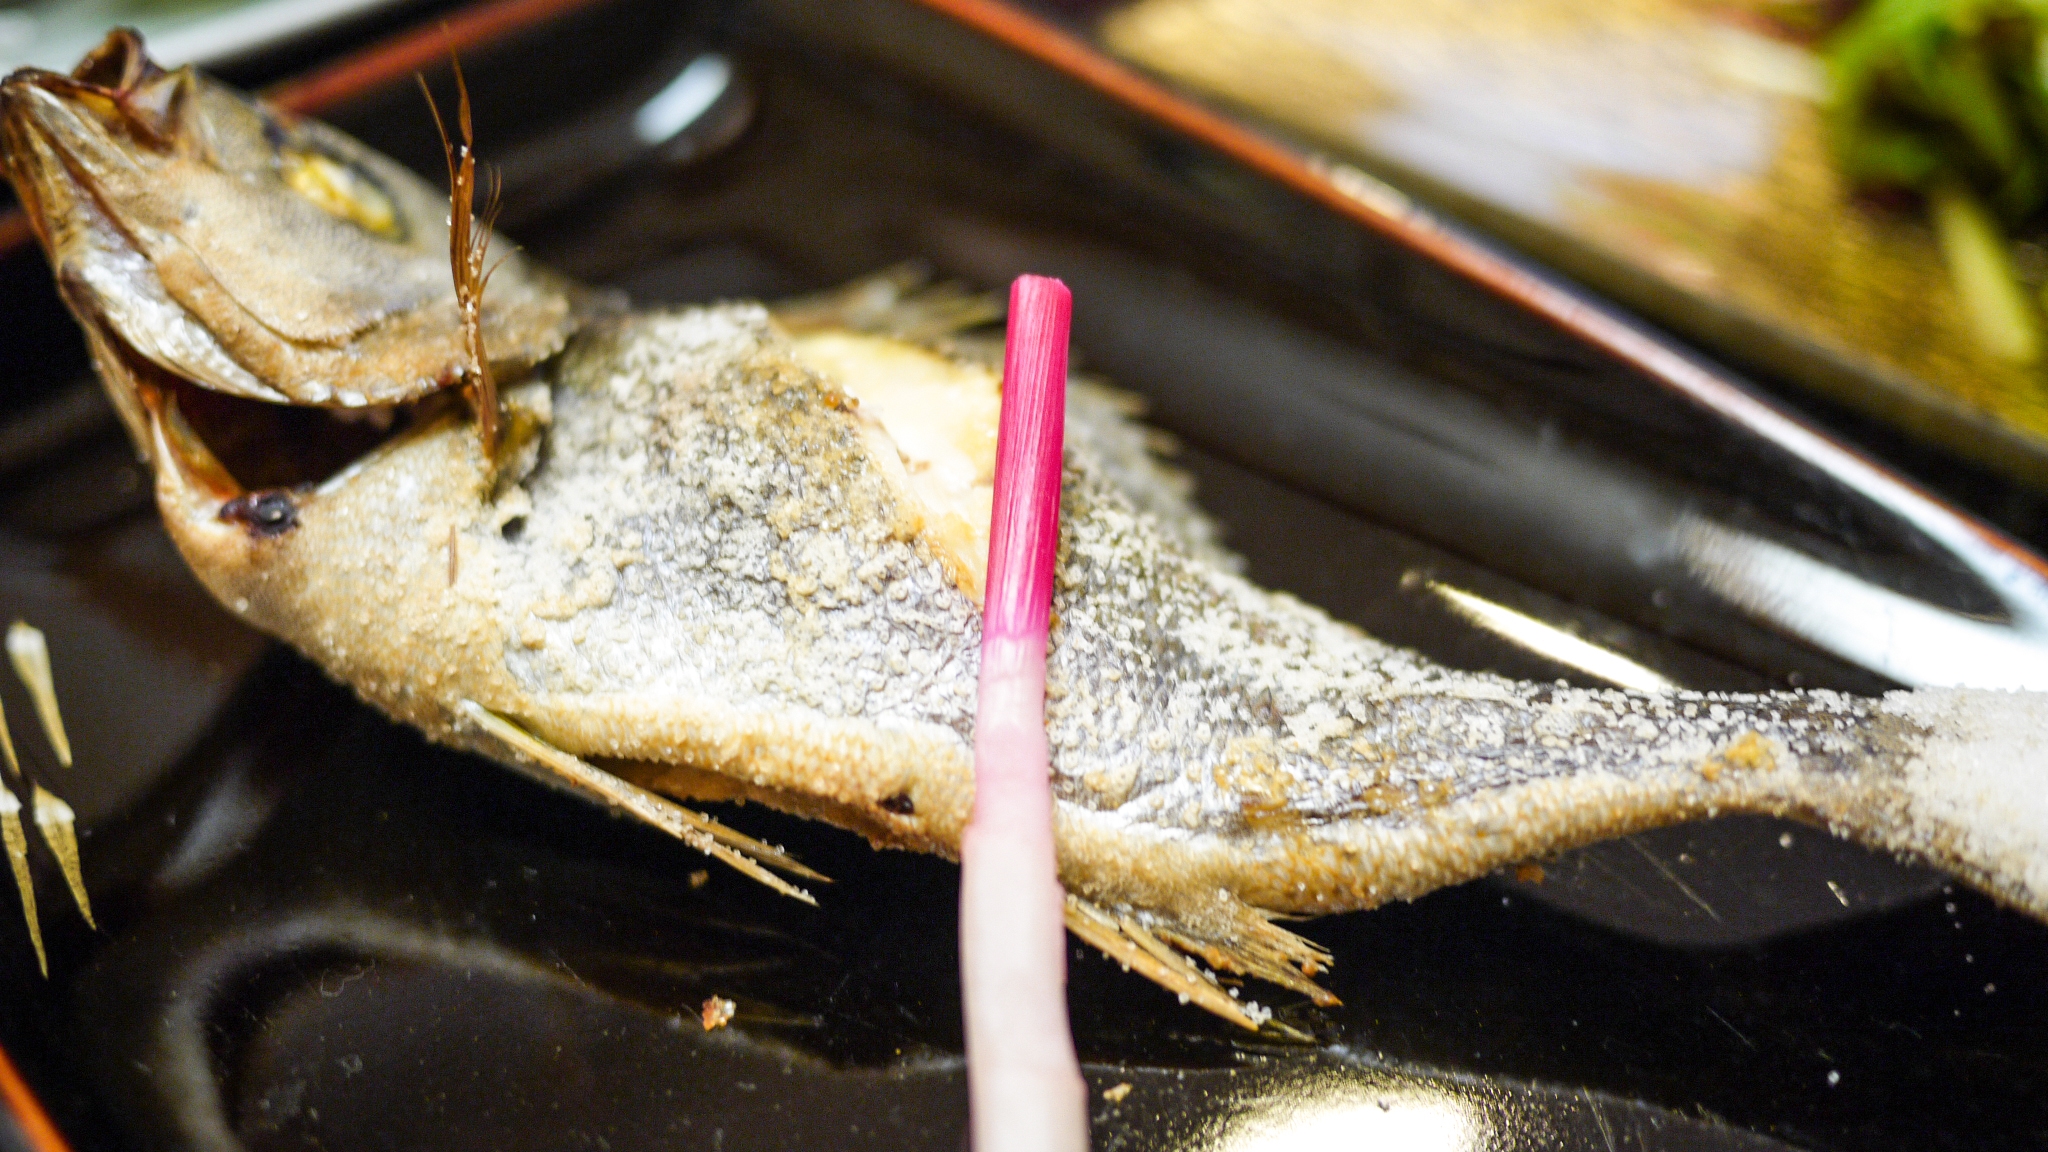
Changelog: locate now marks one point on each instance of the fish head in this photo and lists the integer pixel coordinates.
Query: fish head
(267, 301)
(216, 240)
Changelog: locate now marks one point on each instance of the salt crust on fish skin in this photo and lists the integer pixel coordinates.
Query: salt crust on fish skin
(695, 571)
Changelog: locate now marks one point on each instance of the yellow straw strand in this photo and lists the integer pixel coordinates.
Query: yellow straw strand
(17, 855)
(59, 826)
(31, 657)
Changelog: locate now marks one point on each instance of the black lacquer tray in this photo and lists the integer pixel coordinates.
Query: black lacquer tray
(316, 931)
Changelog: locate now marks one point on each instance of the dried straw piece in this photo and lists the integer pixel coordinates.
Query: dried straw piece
(31, 656)
(16, 839)
(59, 826)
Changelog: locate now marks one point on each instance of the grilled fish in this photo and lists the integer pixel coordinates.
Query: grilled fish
(736, 553)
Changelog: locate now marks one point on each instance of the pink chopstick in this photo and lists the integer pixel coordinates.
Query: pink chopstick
(1024, 1082)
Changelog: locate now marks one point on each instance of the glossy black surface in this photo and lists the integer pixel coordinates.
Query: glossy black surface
(320, 932)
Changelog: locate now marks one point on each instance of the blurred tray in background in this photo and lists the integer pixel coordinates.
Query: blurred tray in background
(55, 33)
(1667, 152)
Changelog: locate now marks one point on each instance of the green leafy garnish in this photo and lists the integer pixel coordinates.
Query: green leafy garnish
(1947, 98)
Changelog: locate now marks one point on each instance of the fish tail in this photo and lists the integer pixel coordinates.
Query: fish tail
(1957, 779)
(1966, 791)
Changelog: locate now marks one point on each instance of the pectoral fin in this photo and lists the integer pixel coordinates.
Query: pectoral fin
(698, 831)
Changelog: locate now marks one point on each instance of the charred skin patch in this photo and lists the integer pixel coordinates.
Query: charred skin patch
(265, 515)
(900, 804)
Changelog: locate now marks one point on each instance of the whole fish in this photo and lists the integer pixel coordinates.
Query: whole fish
(730, 552)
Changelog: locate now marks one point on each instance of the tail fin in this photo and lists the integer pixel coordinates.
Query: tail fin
(1971, 795)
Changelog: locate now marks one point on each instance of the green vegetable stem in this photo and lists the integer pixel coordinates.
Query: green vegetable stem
(1947, 98)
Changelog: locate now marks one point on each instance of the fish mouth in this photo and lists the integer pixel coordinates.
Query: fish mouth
(249, 445)
(206, 447)
(222, 447)
(128, 91)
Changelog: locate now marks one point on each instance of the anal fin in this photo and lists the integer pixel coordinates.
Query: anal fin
(1264, 950)
(1144, 949)
(701, 832)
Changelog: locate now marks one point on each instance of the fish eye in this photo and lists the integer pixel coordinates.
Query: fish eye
(341, 190)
